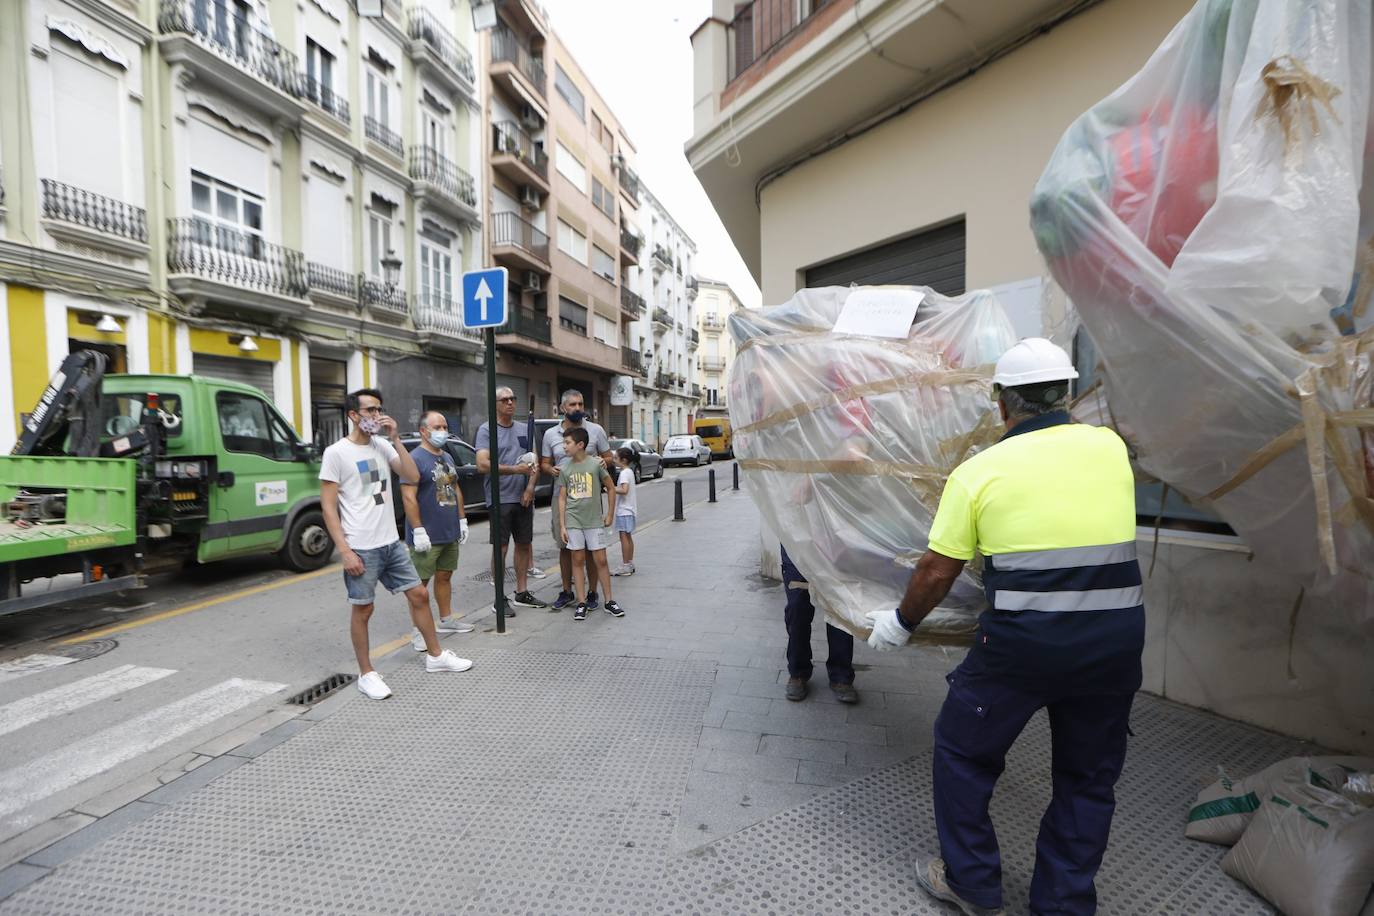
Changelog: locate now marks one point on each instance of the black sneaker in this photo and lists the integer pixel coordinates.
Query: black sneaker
(525, 599)
(614, 609)
(510, 611)
(592, 602)
(563, 600)
(580, 613)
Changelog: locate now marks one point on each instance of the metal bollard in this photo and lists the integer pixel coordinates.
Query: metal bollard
(711, 485)
(735, 469)
(677, 502)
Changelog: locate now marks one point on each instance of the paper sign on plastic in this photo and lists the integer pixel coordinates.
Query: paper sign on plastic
(879, 312)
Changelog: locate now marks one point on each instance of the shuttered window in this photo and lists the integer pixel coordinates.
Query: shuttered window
(255, 372)
(933, 258)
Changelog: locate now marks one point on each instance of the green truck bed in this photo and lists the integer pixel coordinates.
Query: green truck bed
(100, 505)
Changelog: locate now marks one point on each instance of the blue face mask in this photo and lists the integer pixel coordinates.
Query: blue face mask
(437, 437)
(576, 416)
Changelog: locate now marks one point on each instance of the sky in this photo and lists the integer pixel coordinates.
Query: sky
(638, 54)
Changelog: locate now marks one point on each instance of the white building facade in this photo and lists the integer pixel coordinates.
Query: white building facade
(715, 303)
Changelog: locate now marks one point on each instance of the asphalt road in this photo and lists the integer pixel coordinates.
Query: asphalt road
(203, 652)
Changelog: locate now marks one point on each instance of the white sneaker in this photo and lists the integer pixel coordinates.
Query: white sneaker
(627, 570)
(446, 661)
(373, 687)
(537, 573)
(452, 625)
(417, 642)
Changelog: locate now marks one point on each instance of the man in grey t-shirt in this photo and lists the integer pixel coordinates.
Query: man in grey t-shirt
(552, 457)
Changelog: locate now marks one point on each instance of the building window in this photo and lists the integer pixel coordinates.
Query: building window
(435, 132)
(378, 95)
(226, 217)
(319, 72)
(571, 94)
(572, 243)
(603, 199)
(605, 330)
(603, 264)
(379, 218)
(436, 276)
(572, 316)
(570, 167)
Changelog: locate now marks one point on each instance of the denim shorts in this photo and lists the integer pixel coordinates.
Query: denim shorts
(587, 539)
(389, 565)
(625, 524)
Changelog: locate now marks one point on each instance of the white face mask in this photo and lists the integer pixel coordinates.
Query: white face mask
(437, 437)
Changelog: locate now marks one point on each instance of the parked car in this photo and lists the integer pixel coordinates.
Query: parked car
(471, 483)
(650, 462)
(686, 450)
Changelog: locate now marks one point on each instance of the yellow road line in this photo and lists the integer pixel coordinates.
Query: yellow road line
(388, 648)
(201, 605)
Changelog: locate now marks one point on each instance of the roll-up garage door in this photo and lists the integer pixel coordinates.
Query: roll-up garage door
(255, 372)
(933, 258)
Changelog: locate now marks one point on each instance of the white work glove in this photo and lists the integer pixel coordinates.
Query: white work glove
(420, 538)
(527, 459)
(888, 632)
(462, 531)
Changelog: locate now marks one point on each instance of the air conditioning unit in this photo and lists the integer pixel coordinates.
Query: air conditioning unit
(533, 281)
(529, 197)
(530, 117)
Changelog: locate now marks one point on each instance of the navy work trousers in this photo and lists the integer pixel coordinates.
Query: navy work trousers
(799, 613)
(981, 717)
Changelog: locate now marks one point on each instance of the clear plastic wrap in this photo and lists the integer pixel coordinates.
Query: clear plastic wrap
(846, 441)
(1211, 221)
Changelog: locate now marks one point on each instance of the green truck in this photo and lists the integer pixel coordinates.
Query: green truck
(118, 476)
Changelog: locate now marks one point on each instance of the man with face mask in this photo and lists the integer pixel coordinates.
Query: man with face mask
(553, 457)
(436, 520)
(518, 475)
(355, 496)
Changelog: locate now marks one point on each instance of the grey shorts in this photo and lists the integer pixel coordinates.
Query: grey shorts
(389, 565)
(587, 539)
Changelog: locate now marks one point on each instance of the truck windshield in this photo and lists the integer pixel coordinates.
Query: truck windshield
(707, 432)
(121, 414)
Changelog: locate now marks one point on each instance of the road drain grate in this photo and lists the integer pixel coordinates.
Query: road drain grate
(84, 651)
(323, 689)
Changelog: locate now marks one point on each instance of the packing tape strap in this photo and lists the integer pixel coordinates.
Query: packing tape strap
(935, 379)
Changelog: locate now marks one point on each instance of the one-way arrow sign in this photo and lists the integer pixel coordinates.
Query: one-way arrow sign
(484, 298)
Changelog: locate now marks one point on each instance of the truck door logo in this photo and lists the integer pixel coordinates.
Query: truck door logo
(271, 493)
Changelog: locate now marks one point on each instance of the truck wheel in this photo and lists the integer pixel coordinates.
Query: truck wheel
(308, 545)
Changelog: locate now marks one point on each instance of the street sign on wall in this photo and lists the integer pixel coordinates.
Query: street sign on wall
(622, 390)
(484, 297)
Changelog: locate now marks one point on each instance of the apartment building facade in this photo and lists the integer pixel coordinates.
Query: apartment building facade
(276, 194)
(715, 303)
(560, 192)
(666, 394)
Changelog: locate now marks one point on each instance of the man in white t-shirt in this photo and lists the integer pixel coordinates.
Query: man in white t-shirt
(355, 494)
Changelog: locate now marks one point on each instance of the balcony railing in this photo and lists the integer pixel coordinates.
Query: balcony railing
(219, 26)
(712, 321)
(696, 391)
(329, 101)
(383, 296)
(663, 259)
(663, 380)
(331, 280)
(763, 25)
(630, 242)
(632, 303)
(442, 315)
(693, 285)
(524, 323)
(510, 140)
(510, 229)
(382, 135)
(234, 256)
(425, 27)
(428, 164)
(630, 359)
(693, 338)
(505, 46)
(713, 363)
(629, 181)
(662, 317)
(94, 211)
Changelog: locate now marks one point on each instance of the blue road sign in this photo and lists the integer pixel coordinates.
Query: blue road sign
(484, 297)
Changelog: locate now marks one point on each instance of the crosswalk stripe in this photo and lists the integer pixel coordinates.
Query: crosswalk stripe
(90, 756)
(64, 699)
(29, 664)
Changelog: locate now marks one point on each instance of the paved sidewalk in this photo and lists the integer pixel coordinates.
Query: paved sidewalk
(648, 764)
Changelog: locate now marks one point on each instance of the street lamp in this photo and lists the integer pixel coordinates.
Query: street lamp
(483, 15)
(247, 344)
(107, 325)
(391, 269)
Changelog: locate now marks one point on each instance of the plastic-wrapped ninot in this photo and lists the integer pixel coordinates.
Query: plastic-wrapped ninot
(846, 441)
(1211, 221)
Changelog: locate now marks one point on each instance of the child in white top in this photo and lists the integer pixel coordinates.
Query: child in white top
(625, 460)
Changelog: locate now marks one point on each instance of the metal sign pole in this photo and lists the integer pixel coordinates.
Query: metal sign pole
(498, 565)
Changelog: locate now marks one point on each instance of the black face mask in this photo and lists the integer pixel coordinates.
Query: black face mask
(576, 416)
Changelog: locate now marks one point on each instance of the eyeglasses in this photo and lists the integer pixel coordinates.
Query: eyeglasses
(506, 399)
(375, 411)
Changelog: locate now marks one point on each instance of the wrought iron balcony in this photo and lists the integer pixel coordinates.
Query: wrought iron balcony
(664, 380)
(235, 257)
(506, 47)
(693, 285)
(693, 339)
(94, 211)
(629, 181)
(325, 98)
(661, 317)
(382, 135)
(338, 283)
(429, 165)
(384, 297)
(632, 303)
(663, 259)
(523, 323)
(713, 363)
(425, 27)
(441, 315)
(630, 242)
(508, 139)
(509, 229)
(696, 391)
(220, 26)
(630, 359)
(712, 322)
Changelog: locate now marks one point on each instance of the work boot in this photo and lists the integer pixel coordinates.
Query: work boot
(844, 693)
(930, 874)
(796, 688)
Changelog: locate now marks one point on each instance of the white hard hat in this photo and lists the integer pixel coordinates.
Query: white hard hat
(1032, 361)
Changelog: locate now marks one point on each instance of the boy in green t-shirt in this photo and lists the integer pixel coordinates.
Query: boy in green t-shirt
(581, 483)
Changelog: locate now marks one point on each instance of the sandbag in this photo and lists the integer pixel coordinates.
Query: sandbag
(1225, 808)
(1308, 850)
